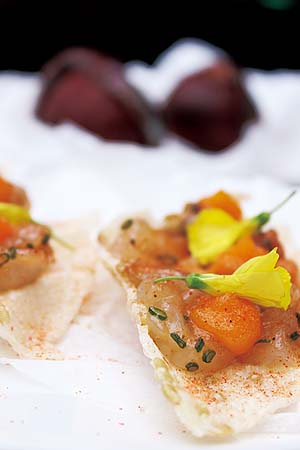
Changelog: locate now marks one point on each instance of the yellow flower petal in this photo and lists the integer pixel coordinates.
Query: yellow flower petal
(263, 263)
(14, 214)
(214, 231)
(257, 279)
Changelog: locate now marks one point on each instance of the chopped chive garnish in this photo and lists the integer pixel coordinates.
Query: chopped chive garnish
(298, 317)
(208, 356)
(191, 366)
(46, 238)
(199, 345)
(11, 253)
(4, 258)
(127, 224)
(294, 336)
(180, 342)
(157, 312)
(29, 245)
(263, 341)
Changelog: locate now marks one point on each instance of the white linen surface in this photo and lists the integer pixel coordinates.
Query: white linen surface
(106, 396)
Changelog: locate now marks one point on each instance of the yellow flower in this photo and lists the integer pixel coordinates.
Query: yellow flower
(214, 231)
(15, 214)
(258, 279)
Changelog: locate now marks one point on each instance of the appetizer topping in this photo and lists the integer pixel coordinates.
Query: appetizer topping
(127, 224)
(180, 342)
(157, 312)
(199, 345)
(24, 250)
(17, 215)
(257, 279)
(169, 260)
(223, 313)
(21, 264)
(214, 231)
(192, 366)
(208, 356)
(169, 334)
(6, 229)
(244, 249)
(235, 321)
(222, 200)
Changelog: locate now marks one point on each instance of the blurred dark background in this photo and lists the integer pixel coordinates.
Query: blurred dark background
(257, 33)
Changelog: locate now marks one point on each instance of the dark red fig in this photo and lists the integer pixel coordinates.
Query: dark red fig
(89, 89)
(210, 108)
